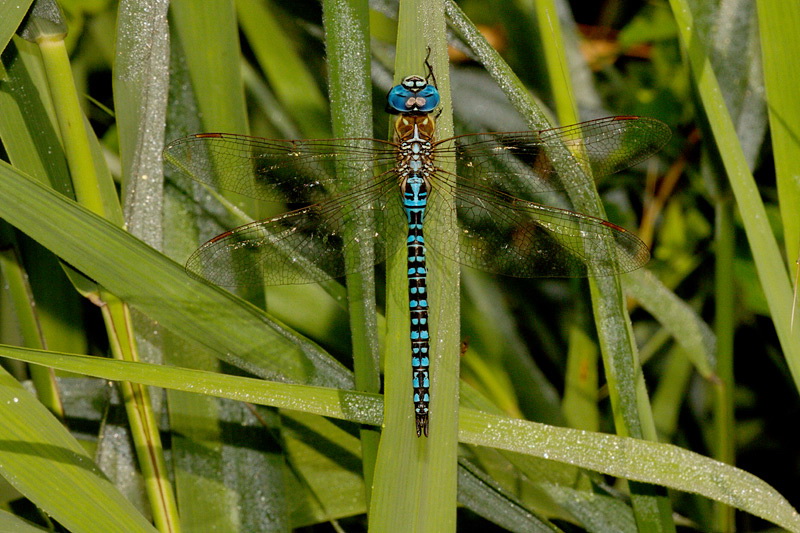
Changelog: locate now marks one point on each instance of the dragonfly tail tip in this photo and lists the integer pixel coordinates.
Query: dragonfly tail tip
(422, 425)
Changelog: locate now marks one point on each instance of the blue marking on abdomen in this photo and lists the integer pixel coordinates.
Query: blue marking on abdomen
(414, 203)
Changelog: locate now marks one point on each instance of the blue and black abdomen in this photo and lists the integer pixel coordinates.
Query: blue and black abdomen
(414, 202)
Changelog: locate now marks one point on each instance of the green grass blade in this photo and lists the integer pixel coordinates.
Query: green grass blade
(738, 67)
(44, 462)
(781, 61)
(207, 467)
(634, 459)
(96, 191)
(545, 481)
(27, 123)
(347, 40)
(284, 67)
(18, 284)
(27, 133)
(13, 13)
(725, 328)
(318, 469)
(364, 409)
(358, 407)
(206, 34)
(687, 328)
(415, 478)
(552, 43)
(237, 331)
(766, 253)
(481, 494)
(91, 180)
(141, 86)
(9, 522)
(205, 38)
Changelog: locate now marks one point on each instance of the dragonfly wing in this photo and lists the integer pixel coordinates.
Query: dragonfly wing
(305, 245)
(276, 169)
(518, 162)
(502, 234)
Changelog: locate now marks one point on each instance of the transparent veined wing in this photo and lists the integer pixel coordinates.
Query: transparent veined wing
(306, 245)
(497, 230)
(518, 163)
(499, 233)
(295, 171)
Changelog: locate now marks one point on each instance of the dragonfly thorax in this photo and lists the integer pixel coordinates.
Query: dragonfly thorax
(410, 129)
(414, 136)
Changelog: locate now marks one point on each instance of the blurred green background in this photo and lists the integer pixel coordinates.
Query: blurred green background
(716, 357)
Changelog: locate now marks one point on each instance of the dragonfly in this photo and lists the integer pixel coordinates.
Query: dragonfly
(482, 181)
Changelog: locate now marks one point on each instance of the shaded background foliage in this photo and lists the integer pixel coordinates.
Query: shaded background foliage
(520, 334)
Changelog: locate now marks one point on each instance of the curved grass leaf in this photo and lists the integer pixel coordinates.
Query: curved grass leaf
(238, 332)
(634, 459)
(687, 328)
(42, 460)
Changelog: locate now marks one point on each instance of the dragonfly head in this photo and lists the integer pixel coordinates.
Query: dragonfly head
(413, 96)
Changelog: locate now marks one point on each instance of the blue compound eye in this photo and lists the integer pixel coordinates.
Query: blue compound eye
(431, 96)
(397, 98)
(413, 95)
